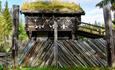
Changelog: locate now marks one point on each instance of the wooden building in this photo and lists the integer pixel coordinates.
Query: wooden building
(40, 22)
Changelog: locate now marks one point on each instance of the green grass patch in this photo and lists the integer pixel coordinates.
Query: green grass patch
(67, 68)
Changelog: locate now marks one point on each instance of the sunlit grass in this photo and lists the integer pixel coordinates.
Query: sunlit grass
(49, 6)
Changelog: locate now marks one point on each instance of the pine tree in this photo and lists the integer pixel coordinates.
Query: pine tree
(0, 6)
(5, 29)
(8, 19)
(2, 22)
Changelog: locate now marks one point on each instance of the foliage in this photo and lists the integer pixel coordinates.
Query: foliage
(113, 25)
(1, 67)
(22, 32)
(113, 21)
(51, 6)
(8, 19)
(6, 30)
(105, 2)
(113, 6)
(2, 22)
(3, 41)
(0, 6)
(66, 68)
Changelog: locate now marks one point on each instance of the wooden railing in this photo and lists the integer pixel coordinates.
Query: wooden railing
(93, 29)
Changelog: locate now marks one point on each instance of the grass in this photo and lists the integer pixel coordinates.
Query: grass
(51, 6)
(66, 68)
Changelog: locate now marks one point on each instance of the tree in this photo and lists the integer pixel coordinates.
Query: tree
(8, 19)
(2, 22)
(0, 6)
(22, 33)
(105, 2)
(5, 29)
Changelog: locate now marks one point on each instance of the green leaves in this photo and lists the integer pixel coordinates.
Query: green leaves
(22, 33)
(105, 2)
(5, 30)
(8, 19)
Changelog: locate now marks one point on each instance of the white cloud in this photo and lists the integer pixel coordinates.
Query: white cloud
(88, 1)
(95, 11)
(93, 15)
(92, 19)
(84, 1)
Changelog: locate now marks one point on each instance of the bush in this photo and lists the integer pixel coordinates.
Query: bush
(1, 67)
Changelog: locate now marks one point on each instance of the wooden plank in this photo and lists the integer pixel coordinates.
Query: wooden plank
(92, 25)
(55, 48)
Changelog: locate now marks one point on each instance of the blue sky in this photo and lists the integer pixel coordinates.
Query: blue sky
(93, 13)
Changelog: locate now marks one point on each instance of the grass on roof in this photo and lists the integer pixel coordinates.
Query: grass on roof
(52, 6)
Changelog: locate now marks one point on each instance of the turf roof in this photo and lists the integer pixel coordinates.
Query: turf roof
(52, 6)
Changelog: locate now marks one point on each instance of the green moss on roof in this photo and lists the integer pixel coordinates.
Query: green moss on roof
(50, 6)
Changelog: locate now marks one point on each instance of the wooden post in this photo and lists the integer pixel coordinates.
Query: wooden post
(109, 36)
(75, 29)
(113, 65)
(114, 40)
(15, 34)
(55, 48)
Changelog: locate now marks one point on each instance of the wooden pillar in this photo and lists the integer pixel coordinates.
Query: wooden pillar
(109, 36)
(114, 40)
(114, 49)
(55, 48)
(76, 23)
(15, 34)
(29, 33)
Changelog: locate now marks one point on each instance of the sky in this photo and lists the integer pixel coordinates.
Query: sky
(93, 13)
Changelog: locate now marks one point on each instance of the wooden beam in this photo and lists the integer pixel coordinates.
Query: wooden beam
(55, 48)
(76, 23)
(109, 36)
(15, 34)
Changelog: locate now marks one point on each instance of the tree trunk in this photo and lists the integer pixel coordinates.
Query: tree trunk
(109, 36)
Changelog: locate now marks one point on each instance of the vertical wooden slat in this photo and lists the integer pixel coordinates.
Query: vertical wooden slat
(55, 48)
(114, 40)
(76, 27)
(109, 36)
(15, 34)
